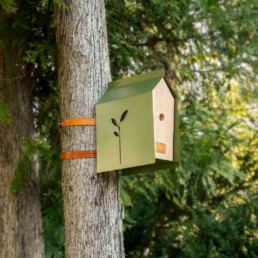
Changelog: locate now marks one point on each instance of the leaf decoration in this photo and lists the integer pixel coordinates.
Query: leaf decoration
(116, 134)
(114, 121)
(124, 116)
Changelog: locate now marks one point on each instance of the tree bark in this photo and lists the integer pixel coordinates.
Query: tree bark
(20, 215)
(92, 211)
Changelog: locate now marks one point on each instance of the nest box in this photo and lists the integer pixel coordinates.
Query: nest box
(137, 125)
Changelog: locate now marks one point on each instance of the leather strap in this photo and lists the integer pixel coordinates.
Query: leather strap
(78, 121)
(78, 154)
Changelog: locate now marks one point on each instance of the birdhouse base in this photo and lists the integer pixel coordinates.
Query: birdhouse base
(159, 165)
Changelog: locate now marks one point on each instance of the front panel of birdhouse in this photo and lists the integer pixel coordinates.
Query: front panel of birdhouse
(125, 133)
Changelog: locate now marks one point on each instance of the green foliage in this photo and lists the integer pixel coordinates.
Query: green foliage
(7, 4)
(224, 234)
(59, 3)
(30, 26)
(209, 49)
(22, 176)
(208, 207)
(191, 38)
(5, 117)
(47, 117)
(26, 168)
(32, 151)
(43, 53)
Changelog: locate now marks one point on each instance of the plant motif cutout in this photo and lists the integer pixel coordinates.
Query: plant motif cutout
(118, 134)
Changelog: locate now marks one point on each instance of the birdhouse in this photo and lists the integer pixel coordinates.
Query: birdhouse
(137, 125)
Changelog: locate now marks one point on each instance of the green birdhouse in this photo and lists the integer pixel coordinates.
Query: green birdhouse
(137, 125)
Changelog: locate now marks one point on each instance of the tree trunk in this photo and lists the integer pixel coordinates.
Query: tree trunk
(20, 215)
(92, 211)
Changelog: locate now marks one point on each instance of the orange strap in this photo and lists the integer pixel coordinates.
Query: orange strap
(78, 121)
(78, 154)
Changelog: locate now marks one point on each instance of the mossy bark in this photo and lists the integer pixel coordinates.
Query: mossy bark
(20, 216)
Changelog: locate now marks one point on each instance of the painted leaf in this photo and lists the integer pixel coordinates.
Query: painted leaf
(116, 134)
(124, 116)
(114, 121)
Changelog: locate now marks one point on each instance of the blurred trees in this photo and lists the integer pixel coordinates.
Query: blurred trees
(207, 208)
(20, 212)
(26, 29)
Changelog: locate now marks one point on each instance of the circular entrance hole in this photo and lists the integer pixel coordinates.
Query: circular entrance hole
(161, 117)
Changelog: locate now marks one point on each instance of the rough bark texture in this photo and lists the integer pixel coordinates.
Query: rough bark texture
(92, 212)
(20, 216)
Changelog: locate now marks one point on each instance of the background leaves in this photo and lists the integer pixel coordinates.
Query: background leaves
(208, 207)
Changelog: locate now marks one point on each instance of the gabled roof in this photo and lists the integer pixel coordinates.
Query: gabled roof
(132, 86)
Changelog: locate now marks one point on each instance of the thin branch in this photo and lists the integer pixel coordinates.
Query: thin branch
(14, 78)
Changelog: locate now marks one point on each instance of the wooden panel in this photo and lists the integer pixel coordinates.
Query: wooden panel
(160, 148)
(163, 114)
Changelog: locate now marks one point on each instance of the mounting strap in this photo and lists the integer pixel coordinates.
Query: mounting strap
(78, 154)
(78, 121)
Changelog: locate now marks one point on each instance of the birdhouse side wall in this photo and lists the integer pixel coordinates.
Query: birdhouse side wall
(163, 117)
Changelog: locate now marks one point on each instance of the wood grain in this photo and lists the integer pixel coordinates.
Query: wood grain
(163, 113)
(160, 148)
